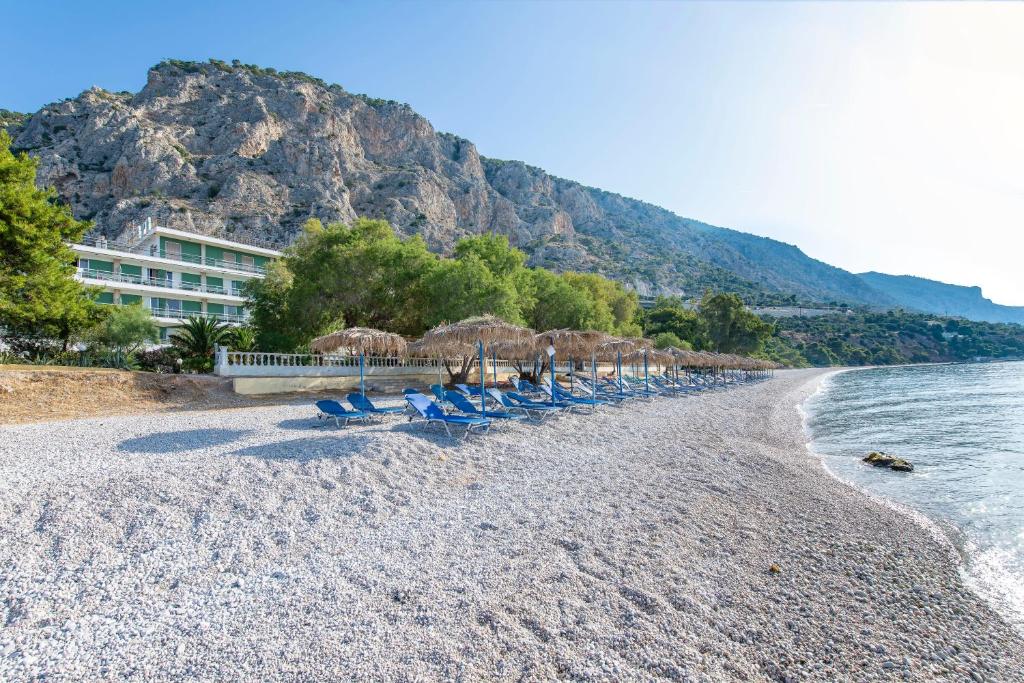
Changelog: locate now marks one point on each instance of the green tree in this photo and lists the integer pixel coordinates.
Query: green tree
(196, 340)
(465, 286)
(557, 304)
(613, 307)
(39, 296)
(664, 340)
(124, 330)
(361, 274)
(670, 316)
(731, 327)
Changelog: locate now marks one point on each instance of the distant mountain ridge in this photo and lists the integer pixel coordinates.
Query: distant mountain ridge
(932, 296)
(233, 149)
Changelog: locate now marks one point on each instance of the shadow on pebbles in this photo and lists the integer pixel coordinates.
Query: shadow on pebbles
(687, 539)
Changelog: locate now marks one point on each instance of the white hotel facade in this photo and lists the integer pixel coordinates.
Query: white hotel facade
(174, 274)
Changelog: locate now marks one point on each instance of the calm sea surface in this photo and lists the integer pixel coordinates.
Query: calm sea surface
(962, 426)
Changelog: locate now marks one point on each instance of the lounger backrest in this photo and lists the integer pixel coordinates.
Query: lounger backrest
(438, 391)
(500, 397)
(359, 402)
(461, 402)
(329, 406)
(425, 407)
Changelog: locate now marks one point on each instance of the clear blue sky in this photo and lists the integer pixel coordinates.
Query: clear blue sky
(875, 137)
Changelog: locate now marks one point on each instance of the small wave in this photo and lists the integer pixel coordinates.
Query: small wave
(839, 420)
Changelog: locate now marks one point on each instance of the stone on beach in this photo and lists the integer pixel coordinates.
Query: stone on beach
(881, 459)
(254, 544)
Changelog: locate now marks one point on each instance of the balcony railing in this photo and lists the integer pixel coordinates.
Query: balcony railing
(155, 252)
(127, 278)
(178, 314)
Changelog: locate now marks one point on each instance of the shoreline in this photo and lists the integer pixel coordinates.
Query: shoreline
(687, 539)
(942, 530)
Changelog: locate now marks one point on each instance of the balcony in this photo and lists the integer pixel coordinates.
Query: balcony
(154, 252)
(166, 283)
(178, 314)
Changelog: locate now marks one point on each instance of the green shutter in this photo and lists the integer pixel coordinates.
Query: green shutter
(260, 261)
(105, 298)
(127, 299)
(191, 281)
(129, 269)
(215, 284)
(192, 306)
(190, 251)
(236, 286)
(105, 266)
(214, 253)
(217, 309)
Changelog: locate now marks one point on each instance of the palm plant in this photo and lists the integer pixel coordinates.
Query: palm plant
(197, 338)
(244, 339)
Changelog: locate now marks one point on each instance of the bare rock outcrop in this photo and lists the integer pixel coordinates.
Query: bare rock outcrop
(232, 149)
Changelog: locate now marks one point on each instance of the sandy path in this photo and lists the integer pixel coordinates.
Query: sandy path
(635, 544)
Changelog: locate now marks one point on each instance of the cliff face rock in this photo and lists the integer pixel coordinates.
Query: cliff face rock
(931, 296)
(237, 150)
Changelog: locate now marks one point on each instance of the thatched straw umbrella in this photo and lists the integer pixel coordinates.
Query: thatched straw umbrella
(617, 346)
(573, 344)
(361, 339)
(514, 351)
(479, 330)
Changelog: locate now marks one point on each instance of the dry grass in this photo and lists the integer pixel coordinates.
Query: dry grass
(40, 394)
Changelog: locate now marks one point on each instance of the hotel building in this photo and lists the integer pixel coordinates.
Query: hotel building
(172, 273)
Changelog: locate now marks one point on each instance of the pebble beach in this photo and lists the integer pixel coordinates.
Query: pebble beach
(688, 539)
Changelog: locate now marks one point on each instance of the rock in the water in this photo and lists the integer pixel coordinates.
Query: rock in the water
(881, 459)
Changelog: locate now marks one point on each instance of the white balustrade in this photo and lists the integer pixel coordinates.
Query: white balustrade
(260, 364)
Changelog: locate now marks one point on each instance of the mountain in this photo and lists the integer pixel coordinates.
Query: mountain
(931, 296)
(233, 149)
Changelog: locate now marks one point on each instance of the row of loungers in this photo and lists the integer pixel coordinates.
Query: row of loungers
(462, 408)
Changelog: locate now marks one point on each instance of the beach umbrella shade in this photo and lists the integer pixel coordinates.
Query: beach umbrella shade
(572, 344)
(617, 346)
(482, 331)
(363, 340)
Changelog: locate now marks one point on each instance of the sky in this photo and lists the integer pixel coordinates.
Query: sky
(884, 137)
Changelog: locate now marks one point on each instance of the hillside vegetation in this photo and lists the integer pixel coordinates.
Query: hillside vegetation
(930, 296)
(866, 338)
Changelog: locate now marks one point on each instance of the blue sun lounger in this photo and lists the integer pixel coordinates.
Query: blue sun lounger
(563, 395)
(360, 402)
(431, 413)
(330, 409)
(462, 403)
(541, 410)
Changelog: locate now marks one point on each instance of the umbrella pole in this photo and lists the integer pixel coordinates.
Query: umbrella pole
(618, 371)
(647, 383)
(572, 373)
(362, 385)
(494, 366)
(483, 379)
(551, 360)
(593, 378)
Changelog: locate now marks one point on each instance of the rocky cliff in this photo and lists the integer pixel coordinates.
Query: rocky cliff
(931, 296)
(232, 149)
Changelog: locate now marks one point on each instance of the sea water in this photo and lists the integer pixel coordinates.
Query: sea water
(962, 427)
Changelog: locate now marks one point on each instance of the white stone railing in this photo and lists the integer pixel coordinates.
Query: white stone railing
(258, 364)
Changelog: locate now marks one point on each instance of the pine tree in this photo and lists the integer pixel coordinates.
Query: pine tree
(39, 297)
